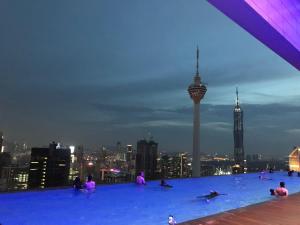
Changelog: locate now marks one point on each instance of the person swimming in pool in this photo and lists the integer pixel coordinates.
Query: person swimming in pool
(264, 178)
(211, 195)
(163, 183)
(290, 173)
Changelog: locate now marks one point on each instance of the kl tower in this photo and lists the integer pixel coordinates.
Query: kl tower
(197, 91)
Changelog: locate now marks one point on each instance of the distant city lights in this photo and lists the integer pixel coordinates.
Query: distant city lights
(115, 170)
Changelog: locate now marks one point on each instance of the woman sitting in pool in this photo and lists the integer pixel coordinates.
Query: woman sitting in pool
(280, 191)
(90, 185)
(140, 179)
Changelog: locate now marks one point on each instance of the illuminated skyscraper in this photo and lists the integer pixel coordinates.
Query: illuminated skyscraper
(197, 91)
(238, 135)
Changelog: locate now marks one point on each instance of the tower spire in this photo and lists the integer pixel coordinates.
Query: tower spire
(237, 96)
(197, 67)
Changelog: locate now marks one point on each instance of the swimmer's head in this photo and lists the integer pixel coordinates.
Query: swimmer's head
(171, 220)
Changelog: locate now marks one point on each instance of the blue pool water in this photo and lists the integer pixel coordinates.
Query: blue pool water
(128, 204)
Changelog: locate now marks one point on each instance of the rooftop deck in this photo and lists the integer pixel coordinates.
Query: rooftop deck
(280, 211)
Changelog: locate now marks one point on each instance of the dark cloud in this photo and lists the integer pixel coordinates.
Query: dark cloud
(268, 128)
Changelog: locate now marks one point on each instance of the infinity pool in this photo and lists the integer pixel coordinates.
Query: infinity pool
(130, 204)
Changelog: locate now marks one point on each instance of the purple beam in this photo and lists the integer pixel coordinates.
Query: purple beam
(276, 23)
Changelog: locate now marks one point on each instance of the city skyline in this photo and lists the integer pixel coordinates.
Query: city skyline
(114, 72)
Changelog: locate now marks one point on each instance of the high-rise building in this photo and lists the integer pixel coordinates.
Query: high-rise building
(5, 160)
(197, 91)
(79, 154)
(130, 159)
(146, 158)
(74, 166)
(1, 142)
(175, 165)
(238, 135)
(15, 177)
(129, 153)
(49, 167)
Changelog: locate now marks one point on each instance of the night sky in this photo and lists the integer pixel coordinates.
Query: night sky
(100, 71)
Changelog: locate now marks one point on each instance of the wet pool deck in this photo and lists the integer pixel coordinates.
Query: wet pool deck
(284, 211)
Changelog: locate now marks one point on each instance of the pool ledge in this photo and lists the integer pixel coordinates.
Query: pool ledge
(275, 212)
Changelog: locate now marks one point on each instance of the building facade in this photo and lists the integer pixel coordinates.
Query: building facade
(49, 167)
(175, 165)
(14, 177)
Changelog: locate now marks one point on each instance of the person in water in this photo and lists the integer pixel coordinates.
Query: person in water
(264, 178)
(171, 220)
(90, 185)
(280, 191)
(211, 195)
(77, 184)
(290, 173)
(163, 183)
(140, 179)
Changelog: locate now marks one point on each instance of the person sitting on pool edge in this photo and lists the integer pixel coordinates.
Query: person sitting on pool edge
(163, 183)
(280, 191)
(140, 179)
(90, 185)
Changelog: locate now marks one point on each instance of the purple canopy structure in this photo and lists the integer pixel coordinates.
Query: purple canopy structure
(276, 23)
